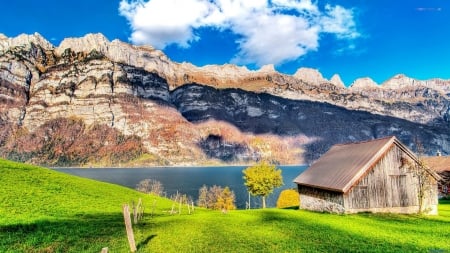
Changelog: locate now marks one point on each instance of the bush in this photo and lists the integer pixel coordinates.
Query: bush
(288, 198)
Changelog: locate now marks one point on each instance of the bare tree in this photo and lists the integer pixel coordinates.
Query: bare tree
(150, 186)
(423, 174)
(213, 194)
(203, 196)
(445, 179)
(423, 182)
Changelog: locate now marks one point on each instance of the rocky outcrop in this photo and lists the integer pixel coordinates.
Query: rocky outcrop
(163, 112)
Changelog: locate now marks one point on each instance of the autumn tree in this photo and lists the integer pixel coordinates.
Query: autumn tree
(225, 201)
(261, 179)
(216, 197)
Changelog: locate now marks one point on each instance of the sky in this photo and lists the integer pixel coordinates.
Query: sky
(352, 38)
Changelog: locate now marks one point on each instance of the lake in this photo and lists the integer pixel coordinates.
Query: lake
(188, 180)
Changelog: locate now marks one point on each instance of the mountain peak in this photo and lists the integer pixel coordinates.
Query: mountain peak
(24, 40)
(336, 80)
(267, 68)
(87, 43)
(364, 83)
(310, 75)
(400, 81)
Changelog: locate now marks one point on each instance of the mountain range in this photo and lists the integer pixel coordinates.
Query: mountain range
(95, 102)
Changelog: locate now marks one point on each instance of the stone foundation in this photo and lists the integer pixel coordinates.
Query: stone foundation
(320, 205)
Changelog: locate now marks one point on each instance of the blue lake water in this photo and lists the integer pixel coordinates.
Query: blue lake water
(188, 180)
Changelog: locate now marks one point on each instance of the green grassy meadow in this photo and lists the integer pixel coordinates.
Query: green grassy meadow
(46, 211)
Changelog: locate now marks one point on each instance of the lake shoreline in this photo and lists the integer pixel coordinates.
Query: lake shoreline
(172, 166)
(188, 180)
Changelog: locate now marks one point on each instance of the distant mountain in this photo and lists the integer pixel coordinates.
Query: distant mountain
(93, 102)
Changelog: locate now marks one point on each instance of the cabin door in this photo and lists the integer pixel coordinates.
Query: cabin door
(361, 197)
(399, 190)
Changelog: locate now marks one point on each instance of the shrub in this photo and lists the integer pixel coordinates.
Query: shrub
(288, 198)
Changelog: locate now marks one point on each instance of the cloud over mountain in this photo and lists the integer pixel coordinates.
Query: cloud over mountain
(288, 29)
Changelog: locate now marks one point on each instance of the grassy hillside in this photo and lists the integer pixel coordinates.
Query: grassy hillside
(46, 211)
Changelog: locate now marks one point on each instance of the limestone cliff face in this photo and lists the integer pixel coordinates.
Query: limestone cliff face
(89, 98)
(306, 83)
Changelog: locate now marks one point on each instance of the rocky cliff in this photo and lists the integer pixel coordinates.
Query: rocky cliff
(90, 101)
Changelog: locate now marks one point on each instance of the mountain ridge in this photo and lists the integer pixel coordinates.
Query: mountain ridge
(97, 41)
(163, 111)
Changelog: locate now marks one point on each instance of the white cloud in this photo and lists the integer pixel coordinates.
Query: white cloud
(270, 32)
(339, 21)
(163, 22)
(274, 39)
(301, 6)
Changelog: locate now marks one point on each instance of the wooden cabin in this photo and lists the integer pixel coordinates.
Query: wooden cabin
(441, 165)
(380, 175)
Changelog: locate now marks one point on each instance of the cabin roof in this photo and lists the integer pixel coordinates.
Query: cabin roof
(344, 164)
(438, 163)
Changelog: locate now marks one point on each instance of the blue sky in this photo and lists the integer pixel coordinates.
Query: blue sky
(353, 38)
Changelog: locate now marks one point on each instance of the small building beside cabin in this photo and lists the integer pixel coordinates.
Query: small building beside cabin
(441, 165)
(380, 175)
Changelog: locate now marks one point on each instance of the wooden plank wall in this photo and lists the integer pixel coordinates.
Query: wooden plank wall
(388, 184)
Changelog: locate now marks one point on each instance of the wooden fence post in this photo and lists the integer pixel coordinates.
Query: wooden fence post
(141, 211)
(129, 228)
(173, 204)
(153, 207)
(188, 207)
(137, 211)
(179, 205)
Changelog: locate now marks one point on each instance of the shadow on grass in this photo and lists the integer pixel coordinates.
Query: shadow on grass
(315, 234)
(80, 233)
(145, 242)
(291, 207)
